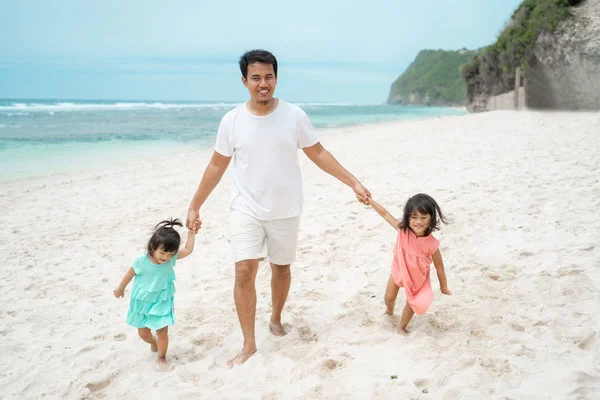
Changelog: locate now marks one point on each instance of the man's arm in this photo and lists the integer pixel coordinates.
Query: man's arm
(212, 175)
(325, 160)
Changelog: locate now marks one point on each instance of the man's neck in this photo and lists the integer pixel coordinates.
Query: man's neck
(262, 108)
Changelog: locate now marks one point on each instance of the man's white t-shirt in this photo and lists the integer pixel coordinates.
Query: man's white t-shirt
(267, 183)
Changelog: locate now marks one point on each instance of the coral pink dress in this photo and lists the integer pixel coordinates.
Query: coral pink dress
(410, 268)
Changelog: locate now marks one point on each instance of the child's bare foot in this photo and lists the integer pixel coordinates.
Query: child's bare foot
(240, 358)
(389, 311)
(154, 345)
(163, 364)
(402, 331)
(277, 329)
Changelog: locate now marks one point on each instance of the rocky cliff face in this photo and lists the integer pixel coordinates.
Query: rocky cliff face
(565, 70)
(485, 77)
(558, 46)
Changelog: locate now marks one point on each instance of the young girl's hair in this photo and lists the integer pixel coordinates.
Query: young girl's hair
(425, 204)
(165, 236)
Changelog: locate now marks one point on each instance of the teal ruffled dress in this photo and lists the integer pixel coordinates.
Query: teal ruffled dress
(152, 297)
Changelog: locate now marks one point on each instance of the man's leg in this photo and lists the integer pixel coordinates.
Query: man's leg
(244, 293)
(281, 278)
(282, 238)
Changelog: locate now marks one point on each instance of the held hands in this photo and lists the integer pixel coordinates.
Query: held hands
(196, 226)
(192, 217)
(193, 222)
(118, 292)
(361, 192)
(445, 290)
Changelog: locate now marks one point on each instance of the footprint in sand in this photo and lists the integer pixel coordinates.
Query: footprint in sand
(208, 341)
(517, 327)
(86, 349)
(588, 385)
(367, 322)
(499, 367)
(271, 396)
(423, 384)
(502, 278)
(306, 335)
(439, 323)
(525, 351)
(315, 295)
(99, 384)
(331, 364)
(586, 343)
(120, 337)
(574, 270)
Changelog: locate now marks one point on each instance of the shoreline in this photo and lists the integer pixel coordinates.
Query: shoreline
(93, 172)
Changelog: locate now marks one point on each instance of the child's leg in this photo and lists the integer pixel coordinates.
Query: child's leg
(391, 292)
(146, 335)
(163, 344)
(407, 314)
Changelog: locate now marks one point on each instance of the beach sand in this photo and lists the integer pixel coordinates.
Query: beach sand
(522, 256)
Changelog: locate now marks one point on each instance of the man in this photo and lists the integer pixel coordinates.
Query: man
(264, 135)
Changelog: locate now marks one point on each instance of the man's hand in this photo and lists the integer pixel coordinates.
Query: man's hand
(193, 218)
(361, 192)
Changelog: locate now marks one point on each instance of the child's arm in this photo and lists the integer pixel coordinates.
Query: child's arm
(189, 243)
(384, 213)
(439, 267)
(120, 290)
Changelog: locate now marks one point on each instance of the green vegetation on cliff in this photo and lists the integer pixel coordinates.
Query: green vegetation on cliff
(492, 71)
(432, 78)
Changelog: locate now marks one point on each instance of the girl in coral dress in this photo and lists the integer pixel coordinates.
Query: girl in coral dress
(416, 248)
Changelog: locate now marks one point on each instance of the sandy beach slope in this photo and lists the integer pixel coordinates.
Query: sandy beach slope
(522, 257)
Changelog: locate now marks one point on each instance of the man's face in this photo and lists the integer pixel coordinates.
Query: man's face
(261, 82)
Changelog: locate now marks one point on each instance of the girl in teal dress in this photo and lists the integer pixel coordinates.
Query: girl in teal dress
(152, 297)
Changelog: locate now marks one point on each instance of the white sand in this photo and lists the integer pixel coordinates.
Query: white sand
(522, 256)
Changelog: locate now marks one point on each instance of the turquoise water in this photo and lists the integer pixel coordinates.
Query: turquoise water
(42, 138)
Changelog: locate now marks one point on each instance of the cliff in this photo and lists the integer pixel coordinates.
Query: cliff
(565, 67)
(433, 78)
(557, 45)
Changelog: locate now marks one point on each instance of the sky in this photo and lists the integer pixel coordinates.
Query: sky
(327, 50)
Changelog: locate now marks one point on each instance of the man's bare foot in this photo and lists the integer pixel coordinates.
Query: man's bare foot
(240, 358)
(277, 329)
(154, 345)
(163, 364)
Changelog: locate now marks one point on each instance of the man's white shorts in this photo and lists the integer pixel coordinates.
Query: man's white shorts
(252, 238)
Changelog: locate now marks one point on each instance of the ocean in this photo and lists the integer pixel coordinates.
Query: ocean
(46, 138)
